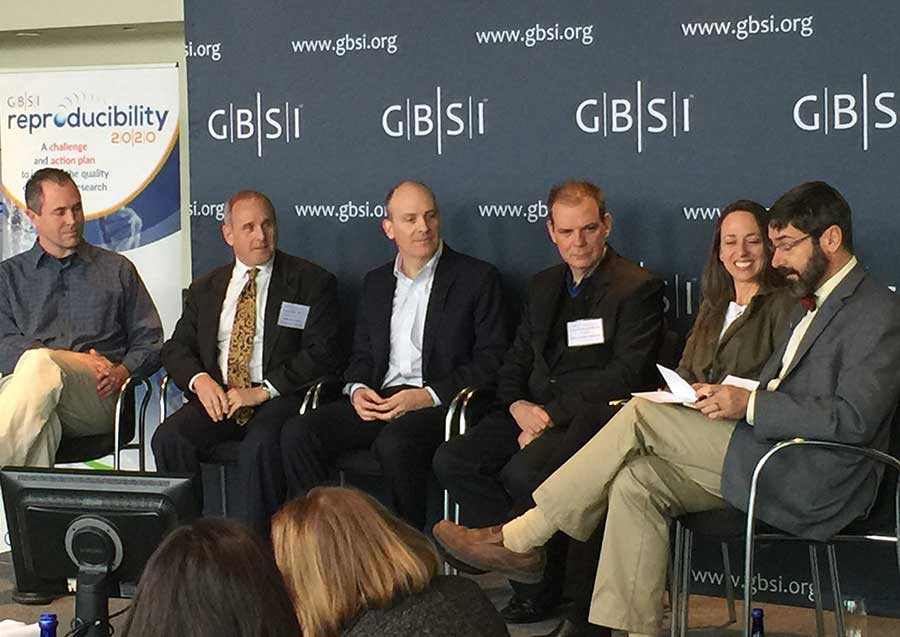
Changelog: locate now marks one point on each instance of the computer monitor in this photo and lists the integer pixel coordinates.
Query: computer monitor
(98, 527)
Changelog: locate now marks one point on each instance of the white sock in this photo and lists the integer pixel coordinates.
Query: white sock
(528, 531)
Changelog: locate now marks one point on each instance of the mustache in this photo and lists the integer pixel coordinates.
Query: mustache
(785, 271)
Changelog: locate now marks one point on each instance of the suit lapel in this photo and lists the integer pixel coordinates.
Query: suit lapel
(832, 306)
(444, 276)
(773, 365)
(595, 287)
(208, 335)
(274, 299)
(381, 305)
(543, 310)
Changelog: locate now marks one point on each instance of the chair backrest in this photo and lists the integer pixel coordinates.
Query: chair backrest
(670, 350)
(881, 516)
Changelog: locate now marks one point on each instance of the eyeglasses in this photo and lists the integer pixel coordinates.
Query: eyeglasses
(787, 246)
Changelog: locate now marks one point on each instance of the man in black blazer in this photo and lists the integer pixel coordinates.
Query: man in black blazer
(590, 332)
(429, 323)
(292, 341)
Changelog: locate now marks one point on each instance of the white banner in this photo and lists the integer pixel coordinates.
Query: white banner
(115, 130)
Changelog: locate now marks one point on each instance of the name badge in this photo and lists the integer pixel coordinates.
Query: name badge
(293, 315)
(585, 332)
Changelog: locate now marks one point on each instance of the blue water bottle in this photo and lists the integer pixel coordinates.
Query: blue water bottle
(48, 624)
(756, 628)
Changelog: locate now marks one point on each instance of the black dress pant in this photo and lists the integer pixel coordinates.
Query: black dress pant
(311, 443)
(492, 480)
(185, 438)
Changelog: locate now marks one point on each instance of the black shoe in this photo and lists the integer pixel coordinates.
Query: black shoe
(522, 610)
(569, 628)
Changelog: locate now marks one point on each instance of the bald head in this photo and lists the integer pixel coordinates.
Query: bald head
(411, 188)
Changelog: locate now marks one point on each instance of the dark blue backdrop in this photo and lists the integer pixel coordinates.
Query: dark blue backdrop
(674, 109)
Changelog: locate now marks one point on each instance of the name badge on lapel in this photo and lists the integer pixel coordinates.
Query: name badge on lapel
(293, 315)
(585, 332)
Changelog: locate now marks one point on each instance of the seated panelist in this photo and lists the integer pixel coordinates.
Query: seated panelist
(590, 332)
(832, 375)
(428, 324)
(75, 323)
(252, 335)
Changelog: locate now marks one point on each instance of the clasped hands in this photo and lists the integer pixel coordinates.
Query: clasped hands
(532, 419)
(370, 405)
(110, 377)
(220, 404)
(721, 401)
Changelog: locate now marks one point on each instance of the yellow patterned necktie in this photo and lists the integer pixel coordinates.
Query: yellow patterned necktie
(241, 344)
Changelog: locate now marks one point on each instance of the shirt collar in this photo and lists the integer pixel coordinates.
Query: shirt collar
(426, 270)
(84, 250)
(241, 269)
(828, 287)
(570, 278)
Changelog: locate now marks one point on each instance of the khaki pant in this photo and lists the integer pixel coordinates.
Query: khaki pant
(50, 393)
(649, 464)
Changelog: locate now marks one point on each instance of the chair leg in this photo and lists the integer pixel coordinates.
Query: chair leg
(836, 590)
(223, 490)
(729, 584)
(817, 589)
(684, 595)
(342, 478)
(675, 579)
(748, 572)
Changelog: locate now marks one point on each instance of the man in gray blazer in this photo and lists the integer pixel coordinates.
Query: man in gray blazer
(833, 377)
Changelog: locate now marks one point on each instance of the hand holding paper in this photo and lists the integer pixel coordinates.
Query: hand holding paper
(680, 391)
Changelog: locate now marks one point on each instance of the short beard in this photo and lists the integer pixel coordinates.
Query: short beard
(810, 279)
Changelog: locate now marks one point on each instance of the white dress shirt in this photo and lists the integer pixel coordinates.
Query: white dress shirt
(408, 327)
(733, 313)
(226, 321)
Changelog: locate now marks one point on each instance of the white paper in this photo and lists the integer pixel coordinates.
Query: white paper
(680, 391)
(744, 383)
(585, 332)
(658, 396)
(293, 315)
(12, 628)
(677, 385)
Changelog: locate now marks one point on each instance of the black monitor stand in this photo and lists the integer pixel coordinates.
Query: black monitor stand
(91, 603)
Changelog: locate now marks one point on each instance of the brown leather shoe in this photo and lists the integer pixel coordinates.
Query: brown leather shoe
(483, 548)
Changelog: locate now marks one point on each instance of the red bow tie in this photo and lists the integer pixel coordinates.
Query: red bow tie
(808, 303)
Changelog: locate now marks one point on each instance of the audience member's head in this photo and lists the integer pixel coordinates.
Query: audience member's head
(341, 552)
(810, 229)
(250, 227)
(413, 222)
(211, 579)
(579, 225)
(54, 207)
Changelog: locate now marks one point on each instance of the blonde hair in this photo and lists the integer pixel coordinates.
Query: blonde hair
(341, 552)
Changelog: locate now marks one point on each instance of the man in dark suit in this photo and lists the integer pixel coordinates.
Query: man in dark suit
(590, 333)
(252, 334)
(833, 377)
(429, 323)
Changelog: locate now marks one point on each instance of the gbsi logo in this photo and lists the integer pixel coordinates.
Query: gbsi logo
(445, 119)
(236, 124)
(661, 114)
(833, 111)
